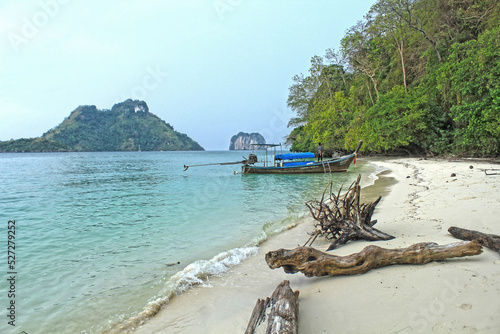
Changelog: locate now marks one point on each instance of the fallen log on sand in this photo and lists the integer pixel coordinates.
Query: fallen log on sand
(490, 241)
(284, 314)
(312, 262)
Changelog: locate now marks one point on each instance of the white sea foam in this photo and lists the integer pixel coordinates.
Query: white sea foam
(371, 178)
(196, 273)
(114, 219)
(200, 272)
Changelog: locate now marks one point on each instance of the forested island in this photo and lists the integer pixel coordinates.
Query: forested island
(128, 126)
(414, 76)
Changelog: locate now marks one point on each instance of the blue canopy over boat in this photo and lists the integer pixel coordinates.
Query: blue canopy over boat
(291, 156)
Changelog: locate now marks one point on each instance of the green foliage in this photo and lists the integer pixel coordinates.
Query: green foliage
(32, 145)
(330, 120)
(300, 140)
(471, 78)
(399, 120)
(128, 126)
(423, 76)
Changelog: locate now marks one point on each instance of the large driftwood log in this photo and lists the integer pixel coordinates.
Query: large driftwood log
(490, 241)
(283, 316)
(312, 262)
(342, 218)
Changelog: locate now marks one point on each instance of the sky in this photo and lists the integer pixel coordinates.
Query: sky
(210, 68)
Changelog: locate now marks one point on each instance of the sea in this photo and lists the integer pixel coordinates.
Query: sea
(92, 240)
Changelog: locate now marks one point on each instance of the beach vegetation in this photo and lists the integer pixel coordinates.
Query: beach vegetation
(420, 76)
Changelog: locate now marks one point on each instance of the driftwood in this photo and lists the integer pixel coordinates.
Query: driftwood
(344, 218)
(284, 314)
(312, 262)
(258, 315)
(490, 241)
(493, 171)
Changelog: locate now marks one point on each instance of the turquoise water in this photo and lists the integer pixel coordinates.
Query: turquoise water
(99, 235)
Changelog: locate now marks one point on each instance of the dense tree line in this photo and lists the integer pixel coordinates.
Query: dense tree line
(422, 76)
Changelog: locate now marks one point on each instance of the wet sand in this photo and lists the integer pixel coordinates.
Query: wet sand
(421, 200)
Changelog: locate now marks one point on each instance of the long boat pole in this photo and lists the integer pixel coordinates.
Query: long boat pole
(216, 163)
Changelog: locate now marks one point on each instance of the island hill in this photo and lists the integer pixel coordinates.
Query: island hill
(128, 126)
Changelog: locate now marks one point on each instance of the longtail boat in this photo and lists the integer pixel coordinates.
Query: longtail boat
(302, 163)
(290, 163)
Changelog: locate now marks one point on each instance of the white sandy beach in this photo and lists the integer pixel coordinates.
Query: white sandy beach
(453, 296)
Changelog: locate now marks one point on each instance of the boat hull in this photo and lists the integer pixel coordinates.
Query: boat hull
(327, 166)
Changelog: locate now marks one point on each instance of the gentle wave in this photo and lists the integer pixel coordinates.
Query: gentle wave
(197, 273)
(99, 236)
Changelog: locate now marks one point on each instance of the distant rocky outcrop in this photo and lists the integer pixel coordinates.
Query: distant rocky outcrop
(128, 126)
(244, 141)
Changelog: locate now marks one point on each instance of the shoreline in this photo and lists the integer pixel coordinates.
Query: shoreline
(450, 296)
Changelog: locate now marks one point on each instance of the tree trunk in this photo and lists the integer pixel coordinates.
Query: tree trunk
(400, 47)
(284, 314)
(490, 241)
(312, 262)
(370, 74)
(369, 92)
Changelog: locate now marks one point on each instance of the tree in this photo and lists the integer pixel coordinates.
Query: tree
(471, 77)
(357, 47)
(418, 75)
(400, 120)
(464, 20)
(414, 13)
(330, 120)
(338, 62)
(384, 22)
(300, 98)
